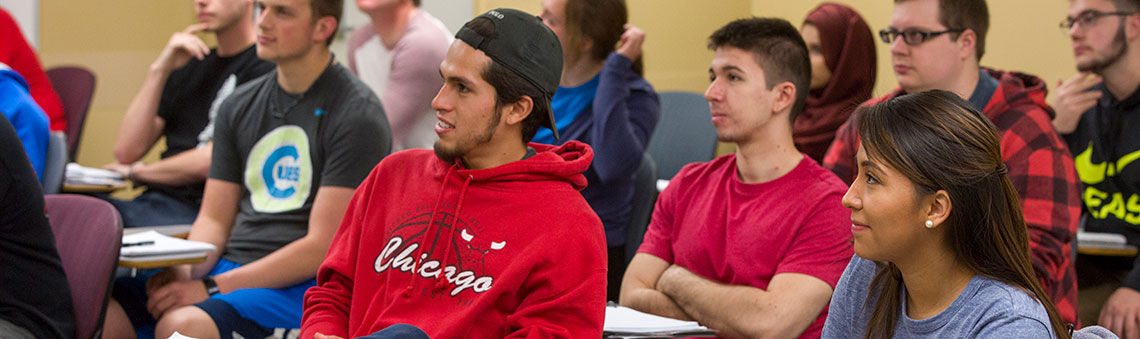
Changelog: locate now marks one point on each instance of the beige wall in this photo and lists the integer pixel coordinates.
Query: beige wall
(1023, 35)
(676, 32)
(119, 44)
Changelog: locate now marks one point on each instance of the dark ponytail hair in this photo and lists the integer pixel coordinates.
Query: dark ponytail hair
(601, 21)
(939, 142)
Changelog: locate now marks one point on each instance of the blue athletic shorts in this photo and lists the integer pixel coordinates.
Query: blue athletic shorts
(251, 313)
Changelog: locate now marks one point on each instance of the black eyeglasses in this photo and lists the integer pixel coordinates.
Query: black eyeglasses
(913, 36)
(1088, 18)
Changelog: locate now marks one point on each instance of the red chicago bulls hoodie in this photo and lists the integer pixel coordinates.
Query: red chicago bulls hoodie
(507, 252)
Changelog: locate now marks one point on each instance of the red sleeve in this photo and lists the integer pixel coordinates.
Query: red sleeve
(840, 157)
(327, 305)
(822, 246)
(1042, 171)
(17, 54)
(567, 297)
(658, 240)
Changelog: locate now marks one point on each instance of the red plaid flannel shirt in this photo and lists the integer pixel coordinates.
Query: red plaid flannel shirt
(1040, 167)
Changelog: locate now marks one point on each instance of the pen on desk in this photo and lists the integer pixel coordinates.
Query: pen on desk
(141, 243)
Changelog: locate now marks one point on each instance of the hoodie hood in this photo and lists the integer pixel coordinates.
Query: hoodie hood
(550, 163)
(1016, 90)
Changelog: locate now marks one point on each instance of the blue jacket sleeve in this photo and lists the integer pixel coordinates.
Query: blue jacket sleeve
(625, 112)
(29, 120)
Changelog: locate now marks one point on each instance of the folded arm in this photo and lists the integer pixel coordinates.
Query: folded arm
(791, 303)
(639, 288)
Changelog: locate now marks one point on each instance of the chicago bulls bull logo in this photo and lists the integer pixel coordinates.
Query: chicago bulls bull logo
(478, 248)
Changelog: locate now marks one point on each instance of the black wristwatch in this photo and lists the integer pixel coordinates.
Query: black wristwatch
(211, 285)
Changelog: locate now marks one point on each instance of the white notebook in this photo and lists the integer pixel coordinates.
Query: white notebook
(623, 321)
(154, 245)
(78, 174)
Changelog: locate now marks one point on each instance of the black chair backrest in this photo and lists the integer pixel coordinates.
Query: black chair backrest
(644, 197)
(684, 135)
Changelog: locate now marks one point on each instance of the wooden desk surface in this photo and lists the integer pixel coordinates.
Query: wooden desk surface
(1125, 251)
(177, 231)
(159, 263)
(87, 188)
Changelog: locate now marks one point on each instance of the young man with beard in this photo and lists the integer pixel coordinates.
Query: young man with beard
(1099, 111)
(289, 149)
(752, 243)
(179, 99)
(937, 44)
(487, 237)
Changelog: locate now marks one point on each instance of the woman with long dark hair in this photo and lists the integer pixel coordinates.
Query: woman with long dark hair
(941, 249)
(603, 100)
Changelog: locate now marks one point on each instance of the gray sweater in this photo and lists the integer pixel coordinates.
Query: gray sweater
(986, 308)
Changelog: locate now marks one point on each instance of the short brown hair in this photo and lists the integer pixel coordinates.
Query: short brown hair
(323, 8)
(779, 50)
(973, 15)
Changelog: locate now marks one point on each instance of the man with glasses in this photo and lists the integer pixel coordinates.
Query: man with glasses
(937, 45)
(1098, 110)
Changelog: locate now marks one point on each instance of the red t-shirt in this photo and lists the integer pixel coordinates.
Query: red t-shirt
(714, 225)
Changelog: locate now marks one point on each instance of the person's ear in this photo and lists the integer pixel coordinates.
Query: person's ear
(516, 112)
(967, 44)
(587, 46)
(785, 97)
(1131, 27)
(938, 207)
(325, 26)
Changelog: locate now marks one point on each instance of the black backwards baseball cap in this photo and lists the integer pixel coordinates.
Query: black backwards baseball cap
(524, 45)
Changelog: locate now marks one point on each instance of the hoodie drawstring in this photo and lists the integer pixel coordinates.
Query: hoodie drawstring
(427, 231)
(441, 281)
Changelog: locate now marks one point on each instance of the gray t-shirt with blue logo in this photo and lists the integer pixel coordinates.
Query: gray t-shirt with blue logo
(282, 148)
(986, 308)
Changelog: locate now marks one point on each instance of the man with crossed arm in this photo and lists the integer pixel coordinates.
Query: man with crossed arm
(750, 244)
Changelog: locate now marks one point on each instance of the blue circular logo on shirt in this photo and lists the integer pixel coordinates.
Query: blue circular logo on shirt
(279, 170)
(281, 165)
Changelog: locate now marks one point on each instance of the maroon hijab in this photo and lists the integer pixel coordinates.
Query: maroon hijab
(849, 52)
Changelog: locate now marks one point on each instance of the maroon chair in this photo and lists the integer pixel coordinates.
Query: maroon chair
(75, 86)
(88, 233)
